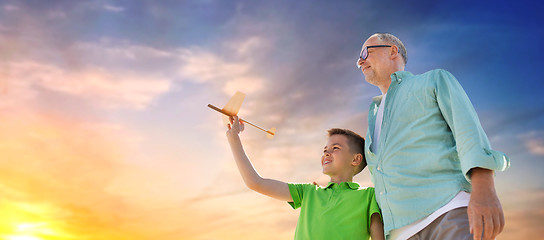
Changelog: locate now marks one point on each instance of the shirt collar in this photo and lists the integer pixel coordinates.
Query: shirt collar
(350, 185)
(377, 99)
(400, 75)
(395, 77)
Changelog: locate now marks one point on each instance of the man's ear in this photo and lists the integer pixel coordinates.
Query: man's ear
(357, 160)
(394, 51)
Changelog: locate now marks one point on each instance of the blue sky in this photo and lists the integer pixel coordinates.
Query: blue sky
(107, 100)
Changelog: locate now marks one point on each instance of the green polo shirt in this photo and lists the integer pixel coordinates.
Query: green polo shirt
(337, 211)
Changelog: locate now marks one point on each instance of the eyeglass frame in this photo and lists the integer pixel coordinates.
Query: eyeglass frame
(365, 50)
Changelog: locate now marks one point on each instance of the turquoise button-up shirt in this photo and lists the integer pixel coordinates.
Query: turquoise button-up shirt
(431, 137)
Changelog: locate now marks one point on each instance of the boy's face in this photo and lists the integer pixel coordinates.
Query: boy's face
(337, 157)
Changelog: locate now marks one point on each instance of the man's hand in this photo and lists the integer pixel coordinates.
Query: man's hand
(484, 209)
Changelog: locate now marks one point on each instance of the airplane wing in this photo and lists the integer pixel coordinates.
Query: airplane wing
(233, 106)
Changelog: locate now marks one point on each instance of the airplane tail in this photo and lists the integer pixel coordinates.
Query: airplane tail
(271, 133)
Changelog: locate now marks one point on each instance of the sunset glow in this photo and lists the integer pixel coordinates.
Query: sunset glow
(22, 237)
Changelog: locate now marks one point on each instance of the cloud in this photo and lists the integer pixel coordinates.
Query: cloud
(98, 86)
(56, 14)
(116, 73)
(534, 142)
(113, 8)
(10, 8)
(107, 74)
(226, 72)
(230, 70)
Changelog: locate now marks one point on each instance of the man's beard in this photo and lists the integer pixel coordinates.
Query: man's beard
(371, 77)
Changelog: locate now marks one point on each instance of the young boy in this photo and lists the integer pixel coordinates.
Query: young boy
(342, 209)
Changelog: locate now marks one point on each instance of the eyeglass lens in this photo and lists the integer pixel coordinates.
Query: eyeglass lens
(364, 54)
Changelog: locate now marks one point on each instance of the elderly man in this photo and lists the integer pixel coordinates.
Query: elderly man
(430, 160)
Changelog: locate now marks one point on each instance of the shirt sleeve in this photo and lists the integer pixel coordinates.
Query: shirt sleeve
(297, 193)
(373, 206)
(472, 143)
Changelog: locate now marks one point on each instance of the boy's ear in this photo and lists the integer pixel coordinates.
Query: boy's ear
(357, 160)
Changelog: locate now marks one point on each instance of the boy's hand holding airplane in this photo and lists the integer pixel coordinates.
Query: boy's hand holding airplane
(236, 126)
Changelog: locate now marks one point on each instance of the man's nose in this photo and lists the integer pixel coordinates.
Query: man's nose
(360, 62)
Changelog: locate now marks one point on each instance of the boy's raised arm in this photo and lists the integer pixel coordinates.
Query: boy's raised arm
(270, 187)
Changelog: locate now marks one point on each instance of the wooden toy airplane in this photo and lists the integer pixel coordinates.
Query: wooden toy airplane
(232, 107)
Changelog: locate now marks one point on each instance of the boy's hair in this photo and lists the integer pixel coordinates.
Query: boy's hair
(356, 144)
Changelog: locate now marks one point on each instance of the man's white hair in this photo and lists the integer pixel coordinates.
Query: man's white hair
(392, 39)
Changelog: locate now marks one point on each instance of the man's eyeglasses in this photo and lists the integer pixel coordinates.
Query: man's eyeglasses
(364, 53)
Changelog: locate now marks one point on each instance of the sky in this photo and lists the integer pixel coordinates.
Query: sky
(105, 131)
